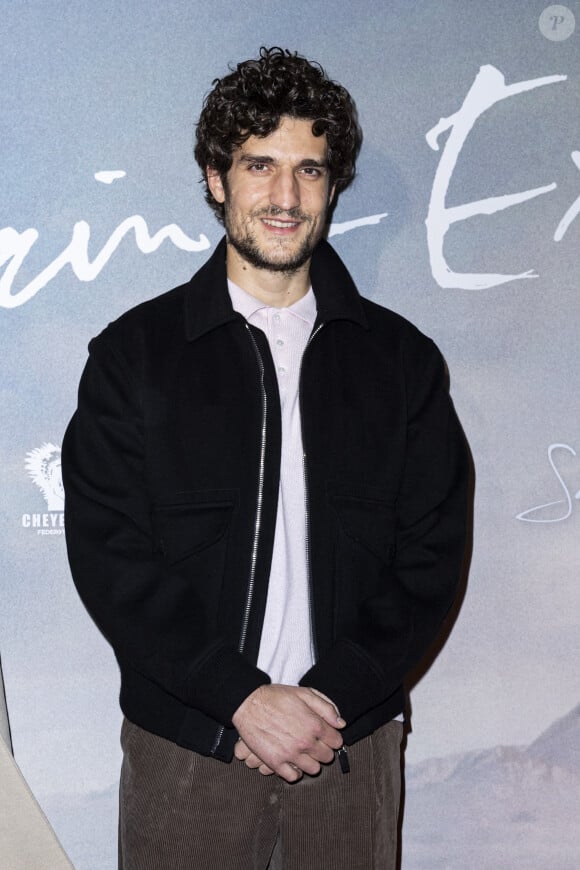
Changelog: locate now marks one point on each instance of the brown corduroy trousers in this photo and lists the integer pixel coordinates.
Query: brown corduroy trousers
(183, 811)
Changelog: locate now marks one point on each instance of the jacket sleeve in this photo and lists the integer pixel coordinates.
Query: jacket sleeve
(115, 566)
(394, 629)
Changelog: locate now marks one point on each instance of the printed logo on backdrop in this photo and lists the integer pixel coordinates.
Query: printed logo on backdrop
(562, 508)
(557, 23)
(44, 469)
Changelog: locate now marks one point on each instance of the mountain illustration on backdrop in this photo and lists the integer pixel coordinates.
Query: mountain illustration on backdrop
(502, 808)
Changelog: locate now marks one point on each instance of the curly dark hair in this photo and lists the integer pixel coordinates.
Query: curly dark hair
(251, 100)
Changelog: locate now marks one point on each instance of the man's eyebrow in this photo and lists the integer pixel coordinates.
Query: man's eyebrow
(255, 158)
(262, 158)
(314, 161)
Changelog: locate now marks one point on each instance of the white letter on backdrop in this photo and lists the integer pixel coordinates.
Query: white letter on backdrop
(488, 89)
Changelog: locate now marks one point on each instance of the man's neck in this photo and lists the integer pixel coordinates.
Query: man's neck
(276, 289)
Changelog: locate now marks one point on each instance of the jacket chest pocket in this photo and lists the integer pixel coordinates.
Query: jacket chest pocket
(364, 553)
(191, 534)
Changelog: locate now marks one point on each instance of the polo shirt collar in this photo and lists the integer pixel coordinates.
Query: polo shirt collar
(247, 305)
(208, 304)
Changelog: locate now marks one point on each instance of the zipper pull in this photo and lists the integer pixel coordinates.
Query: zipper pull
(343, 759)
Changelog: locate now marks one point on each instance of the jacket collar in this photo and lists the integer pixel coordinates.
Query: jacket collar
(208, 304)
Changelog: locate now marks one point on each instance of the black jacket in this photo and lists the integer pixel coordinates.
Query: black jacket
(167, 466)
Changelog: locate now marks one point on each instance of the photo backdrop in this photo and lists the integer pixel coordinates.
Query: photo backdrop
(464, 218)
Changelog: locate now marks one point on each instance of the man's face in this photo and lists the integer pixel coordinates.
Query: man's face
(276, 196)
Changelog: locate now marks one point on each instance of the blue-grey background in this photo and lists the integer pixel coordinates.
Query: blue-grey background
(493, 763)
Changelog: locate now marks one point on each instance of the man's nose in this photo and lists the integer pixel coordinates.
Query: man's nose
(285, 190)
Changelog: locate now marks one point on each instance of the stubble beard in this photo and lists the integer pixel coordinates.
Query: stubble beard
(247, 246)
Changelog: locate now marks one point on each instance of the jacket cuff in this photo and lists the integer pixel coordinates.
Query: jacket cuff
(350, 678)
(222, 681)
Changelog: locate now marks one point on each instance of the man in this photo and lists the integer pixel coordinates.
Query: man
(266, 497)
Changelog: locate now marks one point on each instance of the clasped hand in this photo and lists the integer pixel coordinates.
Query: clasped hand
(287, 730)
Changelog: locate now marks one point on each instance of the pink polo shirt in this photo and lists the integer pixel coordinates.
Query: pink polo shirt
(286, 643)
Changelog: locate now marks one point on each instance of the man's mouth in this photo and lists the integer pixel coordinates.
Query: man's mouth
(279, 224)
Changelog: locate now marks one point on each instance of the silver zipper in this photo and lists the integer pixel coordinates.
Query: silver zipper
(259, 499)
(258, 521)
(313, 650)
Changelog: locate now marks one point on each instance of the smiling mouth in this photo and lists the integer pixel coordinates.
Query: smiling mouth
(278, 224)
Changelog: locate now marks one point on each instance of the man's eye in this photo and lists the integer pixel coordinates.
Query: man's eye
(258, 167)
(311, 171)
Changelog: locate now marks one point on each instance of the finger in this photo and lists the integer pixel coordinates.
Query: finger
(320, 742)
(321, 752)
(243, 753)
(323, 708)
(289, 772)
(241, 750)
(325, 698)
(309, 765)
(322, 735)
(252, 761)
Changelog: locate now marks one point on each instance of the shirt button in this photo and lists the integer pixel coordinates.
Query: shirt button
(277, 318)
(281, 370)
(279, 342)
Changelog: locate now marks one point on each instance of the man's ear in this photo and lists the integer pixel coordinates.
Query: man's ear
(215, 184)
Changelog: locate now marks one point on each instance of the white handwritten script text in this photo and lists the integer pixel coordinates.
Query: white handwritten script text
(14, 246)
(545, 513)
(488, 88)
